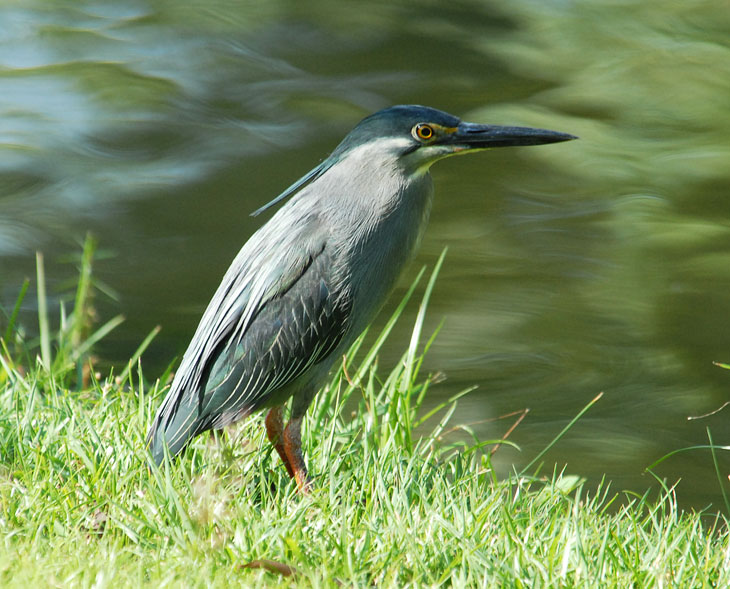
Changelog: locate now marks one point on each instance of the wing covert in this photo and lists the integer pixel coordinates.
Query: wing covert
(258, 334)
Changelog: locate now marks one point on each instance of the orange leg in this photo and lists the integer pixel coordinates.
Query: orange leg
(293, 449)
(274, 431)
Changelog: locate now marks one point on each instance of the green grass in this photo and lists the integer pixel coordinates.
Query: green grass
(395, 503)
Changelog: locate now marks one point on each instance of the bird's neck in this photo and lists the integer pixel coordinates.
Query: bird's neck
(377, 222)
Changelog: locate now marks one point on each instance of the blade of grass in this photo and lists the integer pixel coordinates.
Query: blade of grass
(83, 293)
(561, 434)
(138, 353)
(717, 471)
(43, 312)
(16, 310)
(418, 326)
(98, 335)
(680, 450)
(409, 371)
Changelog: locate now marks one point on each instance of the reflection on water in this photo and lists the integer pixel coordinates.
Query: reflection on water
(599, 265)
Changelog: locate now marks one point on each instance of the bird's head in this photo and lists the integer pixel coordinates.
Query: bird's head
(418, 136)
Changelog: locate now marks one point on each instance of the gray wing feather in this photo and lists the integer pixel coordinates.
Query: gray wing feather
(276, 313)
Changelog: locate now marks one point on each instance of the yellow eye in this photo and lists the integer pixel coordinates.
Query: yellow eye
(423, 131)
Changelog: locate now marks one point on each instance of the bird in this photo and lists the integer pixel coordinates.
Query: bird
(312, 278)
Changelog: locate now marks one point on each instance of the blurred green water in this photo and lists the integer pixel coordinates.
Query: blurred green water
(599, 265)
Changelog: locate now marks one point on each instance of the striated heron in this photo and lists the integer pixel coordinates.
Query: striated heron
(308, 282)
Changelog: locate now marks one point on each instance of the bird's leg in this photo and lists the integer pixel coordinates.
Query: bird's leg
(274, 431)
(293, 449)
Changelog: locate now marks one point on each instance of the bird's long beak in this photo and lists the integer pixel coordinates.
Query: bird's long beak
(475, 136)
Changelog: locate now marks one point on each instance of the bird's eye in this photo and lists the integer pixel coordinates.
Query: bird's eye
(423, 131)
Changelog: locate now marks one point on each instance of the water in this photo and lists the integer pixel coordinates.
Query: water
(597, 265)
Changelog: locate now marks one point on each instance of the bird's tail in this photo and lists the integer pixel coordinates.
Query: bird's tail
(175, 425)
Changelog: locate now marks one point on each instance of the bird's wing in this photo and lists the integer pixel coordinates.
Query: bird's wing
(276, 313)
(295, 329)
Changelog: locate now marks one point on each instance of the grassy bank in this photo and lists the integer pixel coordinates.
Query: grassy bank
(390, 508)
